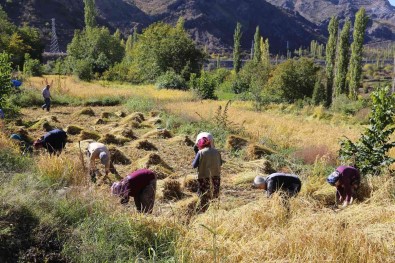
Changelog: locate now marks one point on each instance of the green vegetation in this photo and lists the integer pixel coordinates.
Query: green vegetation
(370, 152)
(342, 61)
(355, 71)
(330, 58)
(236, 48)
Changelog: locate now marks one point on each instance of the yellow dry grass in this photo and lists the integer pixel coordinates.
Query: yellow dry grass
(285, 130)
(85, 90)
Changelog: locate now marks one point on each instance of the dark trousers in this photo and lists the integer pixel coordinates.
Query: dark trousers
(146, 198)
(47, 104)
(208, 189)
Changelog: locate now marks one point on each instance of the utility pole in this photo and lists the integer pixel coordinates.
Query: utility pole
(54, 39)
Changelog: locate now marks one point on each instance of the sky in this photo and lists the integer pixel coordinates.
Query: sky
(392, 2)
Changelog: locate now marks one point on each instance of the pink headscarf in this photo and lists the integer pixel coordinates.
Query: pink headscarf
(203, 143)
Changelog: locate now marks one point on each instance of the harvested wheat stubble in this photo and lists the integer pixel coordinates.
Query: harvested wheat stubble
(191, 183)
(73, 129)
(118, 157)
(42, 124)
(112, 139)
(234, 143)
(255, 151)
(86, 111)
(182, 140)
(158, 134)
(136, 116)
(89, 135)
(172, 190)
(188, 206)
(144, 145)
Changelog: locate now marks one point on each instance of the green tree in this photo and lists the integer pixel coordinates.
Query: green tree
(237, 48)
(355, 70)
(5, 79)
(161, 48)
(204, 86)
(293, 80)
(369, 153)
(343, 59)
(97, 47)
(257, 46)
(330, 58)
(319, 93)
(90, 13)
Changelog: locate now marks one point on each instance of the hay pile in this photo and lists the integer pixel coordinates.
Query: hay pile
(118, 157)
(255, 151)
(191, 183)
(74, 129)
(235, 143)
(120, 114)
(154, 121)
(125, 131)
(144, 145)
(155, 163)
(158, 134)
(182, 140)
(112, 139)
(105, 115)
(134, 117)
(244, 178)
(86, 111)
(100, 121)
(172, 190)
(261, 166)
(43, 125)
(84, 135)
(188, 207)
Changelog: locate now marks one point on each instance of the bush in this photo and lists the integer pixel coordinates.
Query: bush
(83, 70)
(203, 85)
(31, 67)
(343, 104)
(171, 80)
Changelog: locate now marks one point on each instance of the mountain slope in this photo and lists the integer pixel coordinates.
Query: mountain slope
(319, 12)
(210, 22)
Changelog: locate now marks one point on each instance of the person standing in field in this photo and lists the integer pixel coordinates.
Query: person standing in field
(347, 180)
(208, 162)
(47, 96)
(141, 185)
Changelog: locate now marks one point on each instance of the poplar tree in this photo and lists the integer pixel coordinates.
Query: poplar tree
(265, 54)
(360, 24)
(90, 13)
(343, 60)
(257, 46)
(236, 48)
(330, 58)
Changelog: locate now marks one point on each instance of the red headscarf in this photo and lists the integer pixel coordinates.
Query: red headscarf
(203, 143)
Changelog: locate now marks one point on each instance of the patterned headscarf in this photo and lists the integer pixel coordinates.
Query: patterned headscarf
(203, 143)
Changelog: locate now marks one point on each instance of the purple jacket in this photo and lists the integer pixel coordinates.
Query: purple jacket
(136, 181)
(348, 176)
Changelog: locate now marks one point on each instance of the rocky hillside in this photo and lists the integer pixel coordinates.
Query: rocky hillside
(319, 12)
(210, 22)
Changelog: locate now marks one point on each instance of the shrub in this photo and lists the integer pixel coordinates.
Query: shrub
(171, 80)
(369, 153)
(345, 105)
(31, 67)
(83, 70)
(204, 85)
